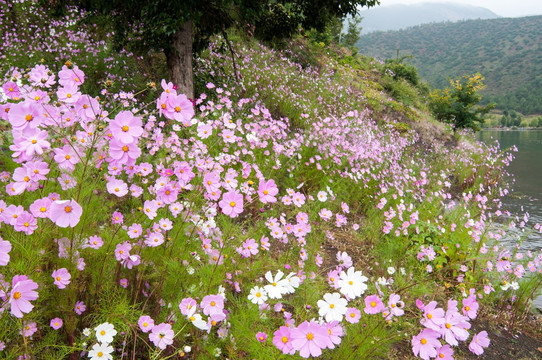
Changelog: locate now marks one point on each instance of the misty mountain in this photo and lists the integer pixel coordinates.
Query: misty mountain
(507, 51)
(395, 17)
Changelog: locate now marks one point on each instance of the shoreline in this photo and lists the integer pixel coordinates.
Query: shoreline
(512, 129)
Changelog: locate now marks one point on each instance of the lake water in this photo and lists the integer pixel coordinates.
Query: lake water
(526, 169)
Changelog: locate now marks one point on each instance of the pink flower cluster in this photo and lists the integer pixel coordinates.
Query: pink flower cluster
(451, 326)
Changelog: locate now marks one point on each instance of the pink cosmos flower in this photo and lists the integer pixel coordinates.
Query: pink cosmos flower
(231, 203)
(150, 207)
(154, 239)
(117, 218)
(79, 307)
(162, 335)
(68, 94)
(11, 90)
(134, 231)
(433, 316)
(117, 187)
(65, 213)
(29, 328)
(126, 127)
(186, 306)
(445, 353)
(250, 247)
(5, 248)
(181, 109)
(22, 292)
(470, 307)
(95, 242)
(31, 141)
(352, 315)
(62, 278)
(425, 344)
(282, 339)
(267, 191)
(66, 157)
(396, 305)
(25, 114)
(56, 323)
(125, 154)
(309, 339)
(124, 283)
(26, 223)
(335, 332)
(455, 325)
(212, 304)
(373, 305)
(261, 336)
(479, 342)
(73, 76)
(146, 323)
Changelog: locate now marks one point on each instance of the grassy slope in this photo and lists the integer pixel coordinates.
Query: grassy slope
(338, 115)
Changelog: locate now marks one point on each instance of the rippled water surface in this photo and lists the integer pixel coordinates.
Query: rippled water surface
(527, 172)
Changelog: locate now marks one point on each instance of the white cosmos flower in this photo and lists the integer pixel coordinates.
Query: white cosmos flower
(333, 307)
(322, 196)
(352, 283)
(196, 319)
(293, 282)
(391, 270)
(277, 285)
(101, 352)
(105, 333)
(258, 295)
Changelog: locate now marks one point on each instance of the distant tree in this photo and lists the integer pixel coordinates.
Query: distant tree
(459, 104)
(534, 122)
(503, 121)
(353, 32)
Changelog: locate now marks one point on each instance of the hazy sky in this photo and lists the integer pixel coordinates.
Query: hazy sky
(506, 8)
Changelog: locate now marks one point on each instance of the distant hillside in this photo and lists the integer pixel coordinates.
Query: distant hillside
(506, 51)
(395, 17)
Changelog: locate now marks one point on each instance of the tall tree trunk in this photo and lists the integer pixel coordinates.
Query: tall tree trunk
(179, 60)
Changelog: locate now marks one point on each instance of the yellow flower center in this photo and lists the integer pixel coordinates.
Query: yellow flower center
(258, 294)
(28, 117)
(125, 128)
(265, 192)
(213, 303)
(232, 204)
(467, 308)
(352, 315)
(429, 316)
(423, 341)
(34, 141)
(68, 209)
(373, 304)
(58, 278)
(331, 306)
(310, 336)
(284, 339)
(177, 108)
(448, 325)
(350, 283)
(17, 295)
(125, 148)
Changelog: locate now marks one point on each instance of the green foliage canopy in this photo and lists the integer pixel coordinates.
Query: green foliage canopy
(458, 104)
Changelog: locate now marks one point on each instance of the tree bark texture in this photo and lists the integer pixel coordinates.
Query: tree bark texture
(179, 60)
